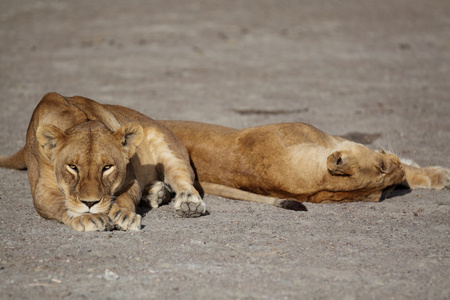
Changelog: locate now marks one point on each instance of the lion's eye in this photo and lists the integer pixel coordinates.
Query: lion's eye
(73, 167)
(106, 168)
(382, 167)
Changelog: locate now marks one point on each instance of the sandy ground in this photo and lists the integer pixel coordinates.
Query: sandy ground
(376, 67)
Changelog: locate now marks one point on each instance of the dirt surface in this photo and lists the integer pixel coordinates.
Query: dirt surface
(380, 68)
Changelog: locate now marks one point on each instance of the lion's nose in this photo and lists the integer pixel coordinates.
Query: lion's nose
(89, 204)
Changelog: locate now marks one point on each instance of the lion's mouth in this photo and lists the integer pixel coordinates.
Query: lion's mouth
(101, 206)
(77, 207)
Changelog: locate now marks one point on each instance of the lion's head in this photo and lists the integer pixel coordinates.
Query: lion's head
(89, 162)
(363, 168)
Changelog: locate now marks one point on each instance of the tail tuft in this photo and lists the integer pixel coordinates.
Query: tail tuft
(292, 205)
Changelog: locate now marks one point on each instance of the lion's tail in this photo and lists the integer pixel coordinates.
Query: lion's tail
(233, 193)
(15, 161)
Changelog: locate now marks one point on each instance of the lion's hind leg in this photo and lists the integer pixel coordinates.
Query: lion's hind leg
(435, 178)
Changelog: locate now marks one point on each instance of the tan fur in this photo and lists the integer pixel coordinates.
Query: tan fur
(89, 164)
(294, 161)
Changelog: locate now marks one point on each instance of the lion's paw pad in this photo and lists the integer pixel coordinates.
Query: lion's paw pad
(189, 205)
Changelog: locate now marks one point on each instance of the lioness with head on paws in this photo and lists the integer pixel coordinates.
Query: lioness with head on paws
(89, 165)
(294, 161)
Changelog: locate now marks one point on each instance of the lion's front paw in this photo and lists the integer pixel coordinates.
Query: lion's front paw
(435, 178)
(439, 177)
(92, 222)
(158, 193)
(189, 205)
(124, 218)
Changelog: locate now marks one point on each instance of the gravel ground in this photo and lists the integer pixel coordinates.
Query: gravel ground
(376, 67)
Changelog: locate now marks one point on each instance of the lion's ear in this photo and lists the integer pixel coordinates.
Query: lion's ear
(48, 137)
(130, 136)
(339, 164)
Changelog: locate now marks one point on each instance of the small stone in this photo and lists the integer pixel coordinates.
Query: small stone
(109, 276)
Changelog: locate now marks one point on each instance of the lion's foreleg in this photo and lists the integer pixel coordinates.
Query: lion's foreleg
(435, 178)
(178, 175)
(123, 210)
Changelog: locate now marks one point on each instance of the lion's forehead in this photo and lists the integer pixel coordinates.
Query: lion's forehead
(92, 151)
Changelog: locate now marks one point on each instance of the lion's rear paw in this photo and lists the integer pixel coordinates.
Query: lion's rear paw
(159, 193)
(189, 205)
(125, 219)
(92, 222)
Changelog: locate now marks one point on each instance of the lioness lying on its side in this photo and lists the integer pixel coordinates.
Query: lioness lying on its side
(294, 161)
(89, 165)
